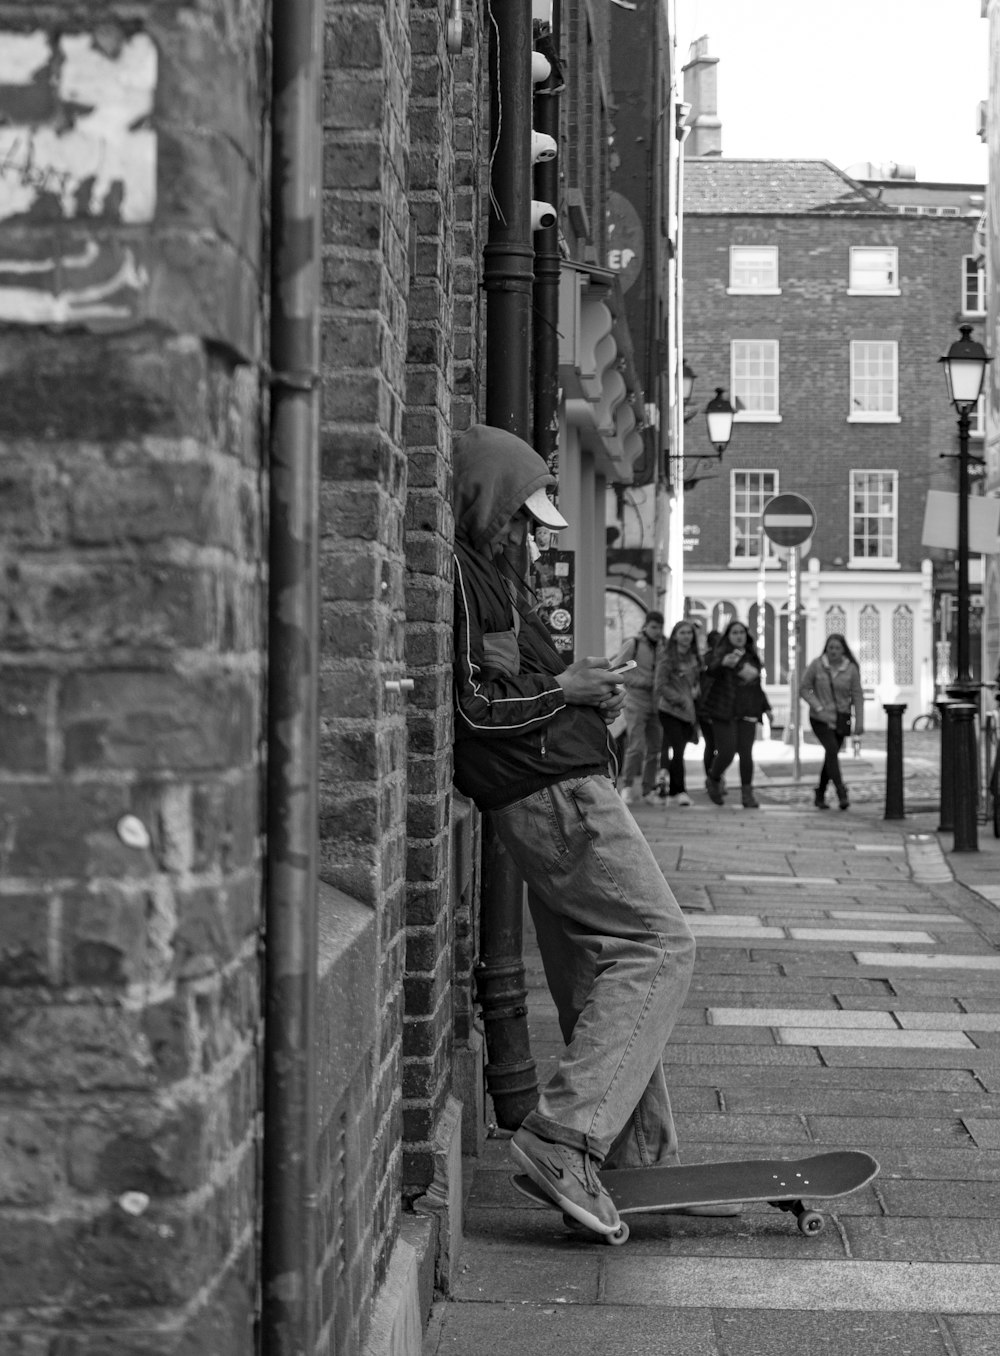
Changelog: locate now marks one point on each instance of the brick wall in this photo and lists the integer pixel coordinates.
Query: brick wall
(130, 697)
(363, 739)
(814, 448)
(443, 374)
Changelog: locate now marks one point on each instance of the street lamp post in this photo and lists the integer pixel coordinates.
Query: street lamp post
(964, 369)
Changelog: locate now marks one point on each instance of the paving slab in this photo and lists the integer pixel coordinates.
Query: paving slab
(898, 960)
(552, 1270)
(927, 1199)
(986, 1133)
(949, 1021)
(972, 1336)
(847, 1131)
(811, 1101)
(875, 1239)
(842, 1286)
(889, 1040)
(825, 1017)
(780, 1333)
(569, 1330)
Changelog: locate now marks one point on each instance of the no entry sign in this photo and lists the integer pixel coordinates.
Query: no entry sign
(788, 519)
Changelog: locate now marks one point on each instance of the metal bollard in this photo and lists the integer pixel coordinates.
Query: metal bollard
(894, 761)
(946, 817)
(965, 781)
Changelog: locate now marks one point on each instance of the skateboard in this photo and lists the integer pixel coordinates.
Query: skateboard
(781, 1182)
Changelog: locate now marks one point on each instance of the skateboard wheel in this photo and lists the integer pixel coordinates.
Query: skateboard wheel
(811, 1223)
(619, 1236)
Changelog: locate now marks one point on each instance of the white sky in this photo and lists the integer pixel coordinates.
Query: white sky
(848, 80)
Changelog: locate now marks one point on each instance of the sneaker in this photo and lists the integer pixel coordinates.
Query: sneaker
(569, 1176)
(682, 798)
(629, 794)
(819, 798)
(652, 797)
(843, 800)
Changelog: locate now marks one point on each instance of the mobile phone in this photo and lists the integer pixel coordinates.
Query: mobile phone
(624, 668)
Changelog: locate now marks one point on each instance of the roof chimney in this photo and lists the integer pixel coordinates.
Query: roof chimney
(700, 91)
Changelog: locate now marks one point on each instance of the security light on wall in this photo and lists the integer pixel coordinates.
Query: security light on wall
(543, 215)
(543, 147)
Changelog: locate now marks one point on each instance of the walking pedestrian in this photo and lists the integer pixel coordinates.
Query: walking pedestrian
(704, 719)
(831, 685)
(735, 703)
(532, 750)
(642, 726)
(675, 691)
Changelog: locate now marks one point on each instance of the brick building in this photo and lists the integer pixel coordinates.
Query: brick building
(822, 304)
(991, 245)
(238, 896)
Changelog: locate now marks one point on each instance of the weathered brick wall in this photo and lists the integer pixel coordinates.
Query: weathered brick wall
(444, 350)
(363, 776)
(130, 682)
(814, 447)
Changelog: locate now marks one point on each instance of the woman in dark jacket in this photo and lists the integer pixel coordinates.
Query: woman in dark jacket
(735, 703)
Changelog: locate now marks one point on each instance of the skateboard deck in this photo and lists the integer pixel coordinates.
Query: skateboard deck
(784, 1183)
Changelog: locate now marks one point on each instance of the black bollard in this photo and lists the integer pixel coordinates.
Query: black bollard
(894, 761)
(965, 778)
(946, 819)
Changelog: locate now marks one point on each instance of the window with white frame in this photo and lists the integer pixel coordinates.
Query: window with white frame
(874, 268)
(754, 378)
(750, 492)
(874, 380)
(753, 268)
(873, 516)
(973, 285)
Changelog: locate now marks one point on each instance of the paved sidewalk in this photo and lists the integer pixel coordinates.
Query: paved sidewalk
(846, 994)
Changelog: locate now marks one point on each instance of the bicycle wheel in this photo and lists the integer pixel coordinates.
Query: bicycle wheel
(928, 721)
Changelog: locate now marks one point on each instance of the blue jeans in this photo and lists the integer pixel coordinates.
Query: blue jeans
(618, 957)
(642, 743)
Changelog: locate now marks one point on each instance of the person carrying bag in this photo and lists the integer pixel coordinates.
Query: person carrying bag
(831, 685)
(735, 704)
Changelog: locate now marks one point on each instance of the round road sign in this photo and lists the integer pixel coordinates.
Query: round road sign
(788, 519)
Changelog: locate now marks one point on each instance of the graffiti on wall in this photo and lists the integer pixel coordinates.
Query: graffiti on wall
(77, 153)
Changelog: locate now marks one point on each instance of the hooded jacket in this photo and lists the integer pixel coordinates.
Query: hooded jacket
(514, 731)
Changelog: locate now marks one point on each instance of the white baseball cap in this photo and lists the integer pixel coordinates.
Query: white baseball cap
(542, 509)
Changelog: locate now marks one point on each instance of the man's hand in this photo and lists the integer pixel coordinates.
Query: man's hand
(591, 682)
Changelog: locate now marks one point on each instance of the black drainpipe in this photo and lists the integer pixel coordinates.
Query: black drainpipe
(288, 1270)
(507, 279)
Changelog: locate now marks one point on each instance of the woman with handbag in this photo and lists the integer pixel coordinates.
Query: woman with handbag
(675, 690)
(735, 704)
(832, 686)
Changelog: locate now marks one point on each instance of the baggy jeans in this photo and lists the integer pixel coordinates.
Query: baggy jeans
(618, 956)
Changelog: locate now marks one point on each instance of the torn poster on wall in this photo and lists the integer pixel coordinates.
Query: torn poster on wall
(78, 156)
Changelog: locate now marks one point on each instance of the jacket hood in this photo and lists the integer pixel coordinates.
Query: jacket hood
(493, 472)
